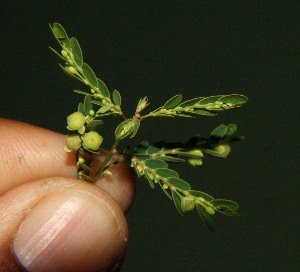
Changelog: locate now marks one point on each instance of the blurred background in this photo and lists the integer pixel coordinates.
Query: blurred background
(196, 48)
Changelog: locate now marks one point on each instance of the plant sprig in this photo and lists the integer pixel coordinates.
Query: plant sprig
(148, 160)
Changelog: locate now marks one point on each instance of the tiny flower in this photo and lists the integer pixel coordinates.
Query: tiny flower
(92, 140)
(75, 121)
(73, 142)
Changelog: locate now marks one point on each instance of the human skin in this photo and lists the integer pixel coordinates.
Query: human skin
(51, 221)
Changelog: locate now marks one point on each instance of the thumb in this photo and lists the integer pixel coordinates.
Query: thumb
(61, 224)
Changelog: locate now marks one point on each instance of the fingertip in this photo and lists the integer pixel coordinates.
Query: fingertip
(77, 229)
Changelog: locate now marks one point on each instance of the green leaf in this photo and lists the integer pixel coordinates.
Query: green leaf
(166, 173)
(60, 34)
(177, 202)
(206, 218)
(207, 197)
(76, 50)
(219, 131)
(179, 183)
(89, 74)
(204, 112)
(235, 99)
(81, 108)
(227, 207)
(154, 164)
(210, 99)
(152, 150)
(173, 102)
(230, 130)
(116, 98)
(102, 88)
(191, 102)
(94, 125)
(87, 104)
(104, 108)
(170, 159)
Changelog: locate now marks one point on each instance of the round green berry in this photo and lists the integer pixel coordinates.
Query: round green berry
(91, 140)
(187, 203)
(73, 142)
(75, 121)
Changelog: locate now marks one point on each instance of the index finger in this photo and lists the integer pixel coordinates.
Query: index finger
(28, 152)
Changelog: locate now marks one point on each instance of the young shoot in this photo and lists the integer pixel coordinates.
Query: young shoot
(152, 161)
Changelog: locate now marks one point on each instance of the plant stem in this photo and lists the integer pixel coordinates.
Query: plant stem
(106, 160)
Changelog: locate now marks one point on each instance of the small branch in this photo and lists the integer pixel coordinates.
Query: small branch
(106, 160)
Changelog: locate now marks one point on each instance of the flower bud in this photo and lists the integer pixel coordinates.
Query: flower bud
(210, 210)
(71, 70)
(187, 203)
(126, 128)
(75, 121)
(222, 149)
(195, 161)
(91, 140)
(64, 53)
(73, 142)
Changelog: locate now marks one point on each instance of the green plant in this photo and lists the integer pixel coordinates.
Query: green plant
(150, 160)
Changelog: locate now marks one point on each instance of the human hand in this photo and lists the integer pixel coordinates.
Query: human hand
(51, 221)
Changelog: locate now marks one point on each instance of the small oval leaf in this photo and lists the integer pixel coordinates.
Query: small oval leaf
(177, 202)
(206, 218)
(89, 74)
(207, 197)
(179, 183)
(102, 88)
(230, 130)
(152, 149)
(76, 50)
(235, 99)
(166, 173)
(60, 34)
(191, 102)
(219, 131)
(116, 98)
(87, 104)
(173, 102)
(204, 112)
(210, 99)
(154, 164)
(232, 205)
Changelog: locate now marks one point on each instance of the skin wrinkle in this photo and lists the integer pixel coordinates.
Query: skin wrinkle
(48, 232)
(30, 171)
(48, 187)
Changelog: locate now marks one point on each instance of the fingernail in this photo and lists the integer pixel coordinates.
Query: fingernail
(64, 234)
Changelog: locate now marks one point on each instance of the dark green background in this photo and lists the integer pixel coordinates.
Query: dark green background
(196, 48)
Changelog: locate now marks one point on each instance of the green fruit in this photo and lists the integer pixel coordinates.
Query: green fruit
(91, 140)
(187, 203)
(75, 121)
(73, 142)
